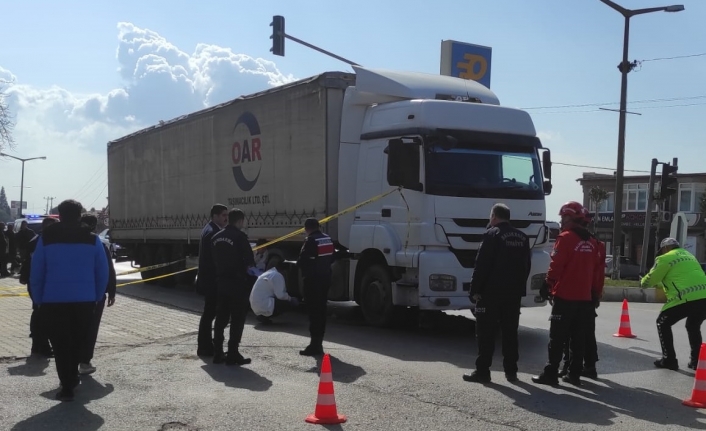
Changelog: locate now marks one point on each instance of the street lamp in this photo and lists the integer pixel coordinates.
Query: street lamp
(22, 182)
(625, 67)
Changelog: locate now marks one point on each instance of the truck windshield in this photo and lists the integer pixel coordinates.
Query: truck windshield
(487, 171)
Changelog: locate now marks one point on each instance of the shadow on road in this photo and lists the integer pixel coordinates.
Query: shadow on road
(34, 366)
(70, 415)
(237, 377)
(341, 371)
(599, 405)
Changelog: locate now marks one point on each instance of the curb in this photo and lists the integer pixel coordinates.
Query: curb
(632, 294)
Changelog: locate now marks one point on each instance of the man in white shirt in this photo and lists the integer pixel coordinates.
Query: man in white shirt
(269, 297)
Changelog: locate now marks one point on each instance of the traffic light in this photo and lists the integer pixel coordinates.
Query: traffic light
(669, 182)
(277, 35)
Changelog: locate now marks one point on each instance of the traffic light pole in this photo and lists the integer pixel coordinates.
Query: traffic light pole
(648, 217)
(278, 36)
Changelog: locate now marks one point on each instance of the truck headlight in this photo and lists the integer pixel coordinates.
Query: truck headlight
(442, 282)
(537, 281)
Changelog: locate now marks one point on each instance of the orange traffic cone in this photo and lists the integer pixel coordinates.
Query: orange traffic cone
(624, 330)
(325, 413)
(698, 394)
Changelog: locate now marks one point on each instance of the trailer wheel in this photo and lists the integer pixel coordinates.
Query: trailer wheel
(163, 256)
(376, 297)
(147, 259)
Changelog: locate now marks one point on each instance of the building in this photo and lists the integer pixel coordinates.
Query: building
(691, 190)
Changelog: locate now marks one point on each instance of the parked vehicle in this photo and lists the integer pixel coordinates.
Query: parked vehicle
(629, 270)
(115, 250)
(318, 146)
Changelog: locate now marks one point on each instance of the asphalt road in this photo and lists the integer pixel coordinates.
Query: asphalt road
(404, 378)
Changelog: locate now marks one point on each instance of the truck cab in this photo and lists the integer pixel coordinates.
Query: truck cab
(454, 152)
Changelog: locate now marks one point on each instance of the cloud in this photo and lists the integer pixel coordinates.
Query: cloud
(160, 82)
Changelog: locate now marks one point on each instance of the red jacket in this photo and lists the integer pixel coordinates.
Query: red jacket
(576, 272)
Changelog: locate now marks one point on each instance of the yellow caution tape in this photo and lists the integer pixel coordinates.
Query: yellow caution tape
(275, 241)
(149, 268)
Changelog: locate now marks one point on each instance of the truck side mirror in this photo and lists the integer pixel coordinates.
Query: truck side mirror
(547, 164)
(403, 164)
(547, 187)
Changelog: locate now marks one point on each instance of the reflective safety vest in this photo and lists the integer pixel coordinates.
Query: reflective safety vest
(680, 275)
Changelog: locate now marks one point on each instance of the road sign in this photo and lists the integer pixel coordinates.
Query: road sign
(467, 61)
(16, 204)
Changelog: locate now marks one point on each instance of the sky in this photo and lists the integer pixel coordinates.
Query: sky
(83, 73)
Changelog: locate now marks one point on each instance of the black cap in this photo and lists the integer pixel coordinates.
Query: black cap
(311, 223)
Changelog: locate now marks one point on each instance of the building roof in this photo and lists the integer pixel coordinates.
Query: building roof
(596, 177)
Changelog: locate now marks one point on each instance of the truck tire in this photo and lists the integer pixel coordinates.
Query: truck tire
(147, 259)
(376, 297)
(163, 255)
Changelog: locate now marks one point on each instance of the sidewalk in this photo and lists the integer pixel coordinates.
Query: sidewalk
(130, 322)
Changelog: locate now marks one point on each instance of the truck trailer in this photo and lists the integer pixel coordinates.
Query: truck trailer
(317, 146)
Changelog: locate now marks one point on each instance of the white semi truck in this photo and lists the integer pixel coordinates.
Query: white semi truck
(318, 146)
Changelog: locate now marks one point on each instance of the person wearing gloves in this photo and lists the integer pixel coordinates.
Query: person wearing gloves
(684, 282)
(269, 297)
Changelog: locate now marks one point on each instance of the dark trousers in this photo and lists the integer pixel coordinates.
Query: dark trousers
(491, 315)
(68, 325)
(281, 307)
(4, 260)
(695, 314)
(233, 306)
(38, 330)
(89, 344)
(567, 325)
(316, 298)
(205, 338)
(590, 352)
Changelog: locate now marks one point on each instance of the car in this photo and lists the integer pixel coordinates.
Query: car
(34, 222)
(115, 250)
(629, 270)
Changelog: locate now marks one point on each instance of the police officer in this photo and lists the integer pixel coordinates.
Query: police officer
(684, 284)
(206, 281)
(233, 257)
(498, 284)
(315, 261)
(570, 287)
(590, 356)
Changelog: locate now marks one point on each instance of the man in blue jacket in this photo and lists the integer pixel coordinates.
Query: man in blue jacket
(69, 276)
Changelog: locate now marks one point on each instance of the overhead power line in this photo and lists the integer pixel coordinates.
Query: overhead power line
(598, 167)
(585, 105)
(703, 54)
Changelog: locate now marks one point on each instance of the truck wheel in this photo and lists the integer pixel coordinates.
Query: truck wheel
(376, 297)
(147, 259)
(163, 256)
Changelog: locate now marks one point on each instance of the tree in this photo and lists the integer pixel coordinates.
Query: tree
(597, 196)
(5, 212)
(7, 121)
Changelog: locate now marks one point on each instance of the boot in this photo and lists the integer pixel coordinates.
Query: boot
(218, 356)
(546, 379)
(315, 348)
(235, 358)
(477, 377)
(671, 364)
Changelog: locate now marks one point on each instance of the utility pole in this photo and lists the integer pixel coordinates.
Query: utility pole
(46, 198)
(648, 217)
(51, 205)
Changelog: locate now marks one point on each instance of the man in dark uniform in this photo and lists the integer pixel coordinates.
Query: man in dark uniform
(315, 261)
(4, 252)
(498, 284)
(233, 257)
(12, 250)
(38, 330)
(206, 281)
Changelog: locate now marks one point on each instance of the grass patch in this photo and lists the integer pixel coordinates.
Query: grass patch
(622, 283)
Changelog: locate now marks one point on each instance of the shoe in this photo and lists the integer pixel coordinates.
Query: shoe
(564, 371)
(692, 364)
(47, 351)
(312, 350)
(65, 394)
(476, 377)
(511, 377)
(237, 359)
(590, 372)
(86, 369)
(671, 364)
(544, 379)
(264, 320)
(574, 380)
(204, 351)
(219, 357)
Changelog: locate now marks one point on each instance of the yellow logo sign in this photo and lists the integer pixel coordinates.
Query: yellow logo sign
(468, 67)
